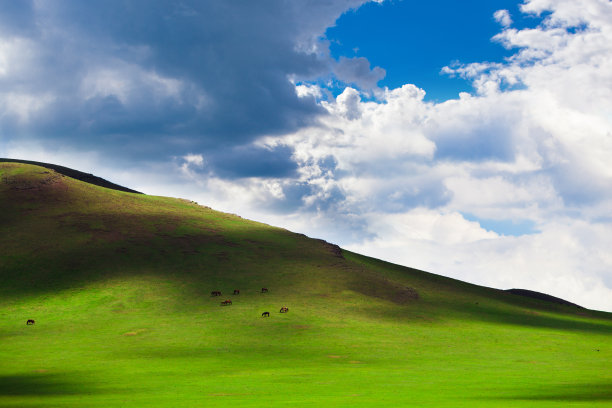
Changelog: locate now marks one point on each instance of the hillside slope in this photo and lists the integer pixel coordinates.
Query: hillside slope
(119, 285)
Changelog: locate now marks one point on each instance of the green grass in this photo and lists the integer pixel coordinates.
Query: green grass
(119, 285)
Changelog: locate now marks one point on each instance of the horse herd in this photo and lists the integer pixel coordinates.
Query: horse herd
(228, 302)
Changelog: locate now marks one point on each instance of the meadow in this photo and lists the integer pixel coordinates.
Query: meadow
(119, 286)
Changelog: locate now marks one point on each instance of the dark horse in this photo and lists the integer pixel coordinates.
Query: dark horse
(284, 309)
(236, 291)
(226, 302)
(30, 321)
(215, 293)
(264, 290)
(265, 314)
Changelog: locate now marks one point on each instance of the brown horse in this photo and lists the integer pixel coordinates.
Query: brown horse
(265, 314)
(226, 302)
(236, 291)
(264, 290)
(284, 309)
(29, 322)
(215, 293)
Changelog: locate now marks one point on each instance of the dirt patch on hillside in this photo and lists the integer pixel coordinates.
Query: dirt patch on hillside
(403, 295)
(25, 182)
(135, 332)
(222, 256)
(383, 288)
(333, 249)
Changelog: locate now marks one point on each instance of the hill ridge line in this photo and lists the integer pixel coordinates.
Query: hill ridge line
(75, 174)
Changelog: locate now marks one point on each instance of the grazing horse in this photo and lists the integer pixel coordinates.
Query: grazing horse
(265, 314)
(226, 302)
(264, 290)
(29, 322)
(215, 293)
(284, 309)
(236, 291)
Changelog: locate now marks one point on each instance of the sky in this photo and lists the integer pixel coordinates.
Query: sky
(469, 139)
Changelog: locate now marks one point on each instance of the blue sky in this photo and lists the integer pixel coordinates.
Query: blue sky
(467, 138)
(413, 40)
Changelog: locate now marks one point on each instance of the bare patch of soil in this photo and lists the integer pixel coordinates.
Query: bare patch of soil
(383, 288)
(135, 332)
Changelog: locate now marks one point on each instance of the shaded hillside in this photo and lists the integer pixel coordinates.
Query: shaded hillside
(542, 296)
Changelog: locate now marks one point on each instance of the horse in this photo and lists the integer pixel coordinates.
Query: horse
(226, 302)
(265, 314)
(29, 322)
(284, 309)
(215, 293)
(264, 290)
(236, 291)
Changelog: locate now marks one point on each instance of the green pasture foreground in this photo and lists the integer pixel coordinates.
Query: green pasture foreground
(119, 285)
(102, 347)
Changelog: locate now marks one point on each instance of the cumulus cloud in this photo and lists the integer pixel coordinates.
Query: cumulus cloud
(503, 17)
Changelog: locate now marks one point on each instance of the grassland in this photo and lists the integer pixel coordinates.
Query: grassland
(119, 285)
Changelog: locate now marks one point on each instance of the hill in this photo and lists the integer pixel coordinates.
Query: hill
(119, 285)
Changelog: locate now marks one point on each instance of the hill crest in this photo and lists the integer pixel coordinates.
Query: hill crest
(75, 174)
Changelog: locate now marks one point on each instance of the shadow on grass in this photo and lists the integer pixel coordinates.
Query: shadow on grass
(543, 321)
(42, 384)
(140, 244)
(587, 392)
(427, 311)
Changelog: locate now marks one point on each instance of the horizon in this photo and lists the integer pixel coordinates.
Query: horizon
(470, 140)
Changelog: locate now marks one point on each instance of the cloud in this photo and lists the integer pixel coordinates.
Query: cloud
(252, 161)
(356, 71)
(174, 76)
(503, 18)
(191, 163)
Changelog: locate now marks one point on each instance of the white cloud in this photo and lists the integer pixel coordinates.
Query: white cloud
(191, 163)
(503, 17)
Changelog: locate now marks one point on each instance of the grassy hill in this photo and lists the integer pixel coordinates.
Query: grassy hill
(119, 286)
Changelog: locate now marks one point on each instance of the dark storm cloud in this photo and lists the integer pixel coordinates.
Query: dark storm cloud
(163, 77)
(252, 161)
